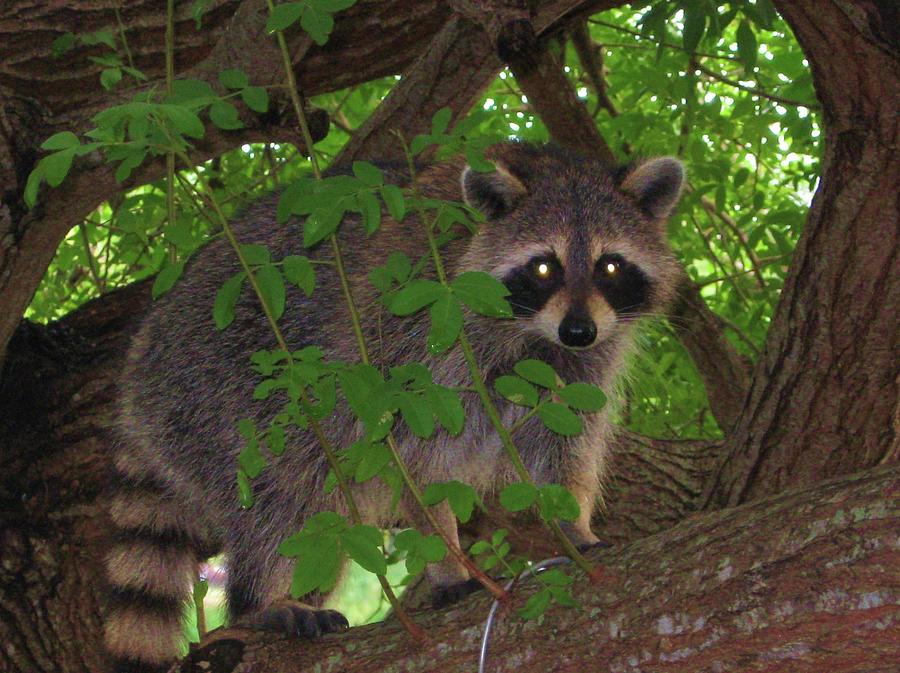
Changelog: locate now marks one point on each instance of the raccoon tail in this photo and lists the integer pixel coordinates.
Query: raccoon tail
(151, 566)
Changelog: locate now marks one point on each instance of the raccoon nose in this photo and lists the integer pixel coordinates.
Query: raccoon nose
(577, 331)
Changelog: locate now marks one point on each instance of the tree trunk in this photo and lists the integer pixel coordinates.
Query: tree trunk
(824, 399)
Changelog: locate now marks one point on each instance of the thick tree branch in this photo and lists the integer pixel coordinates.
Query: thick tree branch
(830, 373)
(815, 593)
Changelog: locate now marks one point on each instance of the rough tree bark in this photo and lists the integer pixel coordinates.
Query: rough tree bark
(819, 592)
(806, 580)
(824, 399)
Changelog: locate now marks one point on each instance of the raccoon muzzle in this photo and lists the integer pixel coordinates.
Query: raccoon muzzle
(151, 566)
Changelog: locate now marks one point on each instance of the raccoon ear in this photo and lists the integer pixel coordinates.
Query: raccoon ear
(655, 184)
(494, 194)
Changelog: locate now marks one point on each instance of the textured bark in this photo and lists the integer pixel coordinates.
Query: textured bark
(820, 591)
(824, 399)
(55, 405)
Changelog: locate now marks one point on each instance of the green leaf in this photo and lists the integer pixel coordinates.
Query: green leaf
(536, 605)
(233, 78)
(299, 271)
(560, 419)
(517, 390)
(432, 548)
(226, 299)
(32, 185)
(317, 568)
(746, 43)
(225, 115)
(271, 285)
(322, 223)
(363, 544)
(393, 198)
(245, 493)
(461, 497)
(447, 407)
(255, 254)
(56, 166)
(109, 77)
(166, 279)
(318, 24)
(256, 98)
(518, 496)
(440, 121)
(416, 295)
(251, 460)
(476, 160)
(583, 396)
(556, 502)
(416, 414)
(694, 25)
(369, 174)
(399, 266)
(446, 323)
(184, 120)
(538, 372)
(275, 439)
(371, 211)
(62, 44)
(283, 15)
(375, 456)
(482, 293)
(61, 141)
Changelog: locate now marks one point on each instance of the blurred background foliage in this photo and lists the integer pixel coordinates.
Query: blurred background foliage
(723, 85)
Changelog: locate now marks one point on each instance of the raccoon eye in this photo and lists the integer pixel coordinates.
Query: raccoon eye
(623, 285)
(543, 269)
(609, 267)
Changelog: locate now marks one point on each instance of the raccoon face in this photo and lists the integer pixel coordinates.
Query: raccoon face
(581, 248)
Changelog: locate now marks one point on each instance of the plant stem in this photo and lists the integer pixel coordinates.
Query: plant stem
(170, 80)
(415, 631)
(478, 381)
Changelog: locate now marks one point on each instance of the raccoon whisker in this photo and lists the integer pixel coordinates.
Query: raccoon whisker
(528, 309)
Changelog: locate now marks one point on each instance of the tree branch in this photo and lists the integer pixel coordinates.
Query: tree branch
(756, 600)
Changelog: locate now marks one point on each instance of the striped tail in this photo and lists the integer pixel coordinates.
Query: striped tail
(151, 567)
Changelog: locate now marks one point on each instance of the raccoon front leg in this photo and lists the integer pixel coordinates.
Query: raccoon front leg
(449, 579)
(257, 589)
(582, 477)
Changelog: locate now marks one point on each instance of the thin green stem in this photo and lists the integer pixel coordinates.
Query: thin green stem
(170, 82)
(123, 38)
(478, 379)
(404, 617)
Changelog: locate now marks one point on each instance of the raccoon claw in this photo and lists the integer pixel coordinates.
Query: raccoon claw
(594, 545)
(301, 620)
(453, 593)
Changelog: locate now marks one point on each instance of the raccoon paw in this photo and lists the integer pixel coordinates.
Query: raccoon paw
(594, 545)
(452, 593)
(299, 619)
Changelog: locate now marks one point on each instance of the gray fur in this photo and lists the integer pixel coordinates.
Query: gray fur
(186, 385)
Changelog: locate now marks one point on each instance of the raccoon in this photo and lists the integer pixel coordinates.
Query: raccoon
(580, 246)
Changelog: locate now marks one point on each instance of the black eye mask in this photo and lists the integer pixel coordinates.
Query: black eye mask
(622, 284)
(533, 284)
